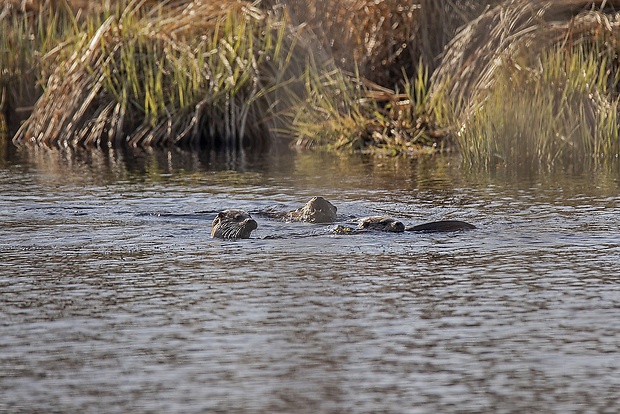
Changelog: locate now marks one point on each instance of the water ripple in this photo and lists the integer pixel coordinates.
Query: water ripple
(114, 299)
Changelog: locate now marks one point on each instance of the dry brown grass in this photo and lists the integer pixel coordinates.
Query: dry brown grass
(515, 33)
(184, 73)
(535, 81)
(380, 38)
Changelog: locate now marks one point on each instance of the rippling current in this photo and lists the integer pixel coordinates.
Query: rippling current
(113, 298)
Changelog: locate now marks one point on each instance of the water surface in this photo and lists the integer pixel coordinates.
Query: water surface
(113, 298)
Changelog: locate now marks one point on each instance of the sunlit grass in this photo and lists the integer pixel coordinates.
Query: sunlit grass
(518, 84)
(346, 112)
(164, 75)
(534, 83)
(27, 45)
(564, 108)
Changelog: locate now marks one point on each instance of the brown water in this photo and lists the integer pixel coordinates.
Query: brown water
(113, 298)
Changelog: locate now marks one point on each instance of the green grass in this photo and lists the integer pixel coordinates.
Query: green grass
(523, 83)
(188, 74)
(346, 112)
(564, 108)
(27, 54)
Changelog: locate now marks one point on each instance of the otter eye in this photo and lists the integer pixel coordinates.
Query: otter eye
(237, 216)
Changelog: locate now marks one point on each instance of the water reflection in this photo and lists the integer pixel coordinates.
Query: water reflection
(114, 299)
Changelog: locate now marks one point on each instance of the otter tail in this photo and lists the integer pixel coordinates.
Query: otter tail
(444, 225)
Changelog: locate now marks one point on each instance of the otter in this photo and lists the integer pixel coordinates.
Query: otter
(381, 223)
(233, 224)
(440, 226)
(238, 224)
(317, 210)
(384, 223)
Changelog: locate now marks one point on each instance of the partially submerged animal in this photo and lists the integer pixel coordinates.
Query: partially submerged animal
(384, 223)
(381, 223)
(440, 226)
(233, 224)
(317, 210)
(238, 224)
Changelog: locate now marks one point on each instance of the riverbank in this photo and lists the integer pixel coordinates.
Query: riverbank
(500, 82)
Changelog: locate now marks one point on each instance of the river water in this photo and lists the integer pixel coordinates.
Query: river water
(113, 298)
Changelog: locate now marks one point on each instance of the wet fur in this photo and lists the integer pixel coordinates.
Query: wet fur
(233, 224)
(317, 210)
(382, 223)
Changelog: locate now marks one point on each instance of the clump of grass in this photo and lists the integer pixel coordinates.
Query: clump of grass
(346, 112)
(564, 109)
(535, 82)
(380, 38)
(26, 35)
(378, 99)
(180, 73)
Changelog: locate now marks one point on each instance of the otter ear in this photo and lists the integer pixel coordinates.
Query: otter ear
(221, 214)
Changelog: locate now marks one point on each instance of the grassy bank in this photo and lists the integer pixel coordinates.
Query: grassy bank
(26, 39)
(524, 82)
(343, 111)
(500, 81)
(540, 87)
(169, 73)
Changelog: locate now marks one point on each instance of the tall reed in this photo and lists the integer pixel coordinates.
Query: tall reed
(535, 82)
(564, 109)
(26, 36)
(172, 73)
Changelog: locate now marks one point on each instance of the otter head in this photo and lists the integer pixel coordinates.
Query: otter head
(318, 210)
(233, 224)
(382, 223)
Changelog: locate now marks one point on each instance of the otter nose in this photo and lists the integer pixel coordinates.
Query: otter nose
(250, 223)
